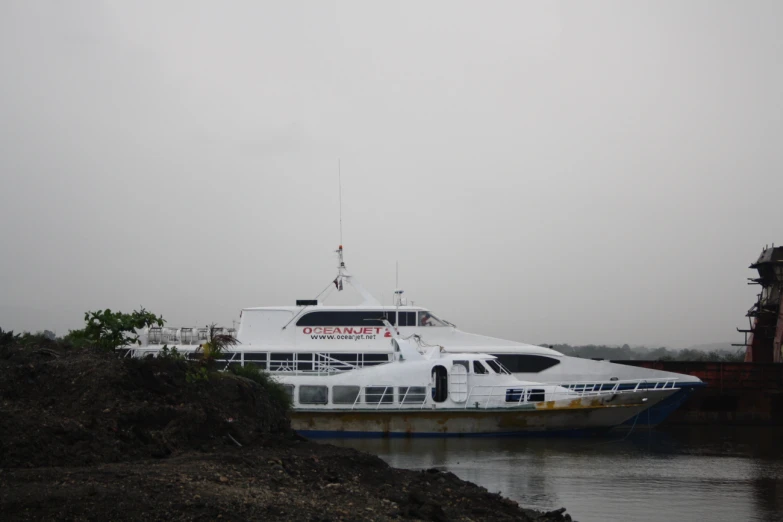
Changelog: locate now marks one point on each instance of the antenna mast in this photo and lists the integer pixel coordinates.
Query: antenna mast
(340, 188)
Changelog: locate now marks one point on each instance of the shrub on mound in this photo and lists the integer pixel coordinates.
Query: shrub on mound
(80, 406)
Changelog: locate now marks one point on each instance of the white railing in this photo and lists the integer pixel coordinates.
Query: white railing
(500, 395)
(529, 393)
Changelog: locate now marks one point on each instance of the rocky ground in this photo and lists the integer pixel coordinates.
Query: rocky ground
(87, 436)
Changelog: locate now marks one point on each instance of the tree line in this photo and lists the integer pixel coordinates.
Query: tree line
(643, 353)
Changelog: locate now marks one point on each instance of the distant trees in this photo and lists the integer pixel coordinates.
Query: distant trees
(662, 353)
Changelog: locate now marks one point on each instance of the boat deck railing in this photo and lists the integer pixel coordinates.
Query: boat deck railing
(497, 396)
(553, 391)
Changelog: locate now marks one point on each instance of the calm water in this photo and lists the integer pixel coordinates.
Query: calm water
(694, 474)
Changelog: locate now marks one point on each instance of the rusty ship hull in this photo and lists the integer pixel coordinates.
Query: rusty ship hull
(577, 416)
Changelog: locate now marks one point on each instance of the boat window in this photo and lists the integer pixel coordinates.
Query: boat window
(313, 394)
(412, 394)
(464, 364)
(427, 319)
(407, 319)
(379, 395)
(341, 318)
(356, 318)
(479, 369)
(496, 367)
(371, 359)
(281, 362)
(515, 395)
(350, 358)
(345, 394)
(304, 362)
(289, 389)
(258, 359)
(518, 363)
(536, 395)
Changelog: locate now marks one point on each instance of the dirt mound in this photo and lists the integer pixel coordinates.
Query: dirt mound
(63, 407)
(87, 436)
(287, 480)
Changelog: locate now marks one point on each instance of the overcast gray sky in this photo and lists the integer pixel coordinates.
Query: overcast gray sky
(581, 172)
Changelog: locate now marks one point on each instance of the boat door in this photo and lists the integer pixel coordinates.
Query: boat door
(440, 390)
(458, 381)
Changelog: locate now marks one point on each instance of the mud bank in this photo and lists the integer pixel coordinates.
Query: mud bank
(87, 436)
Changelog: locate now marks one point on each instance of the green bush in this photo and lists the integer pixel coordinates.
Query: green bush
(110, 330)
(277, 392)
(170, 354)
(8, 338)
(196, 374)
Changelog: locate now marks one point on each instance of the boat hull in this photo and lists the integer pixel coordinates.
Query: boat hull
(658, 413)
(579, 416)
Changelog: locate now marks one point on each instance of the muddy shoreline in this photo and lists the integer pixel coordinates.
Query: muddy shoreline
(86, 436)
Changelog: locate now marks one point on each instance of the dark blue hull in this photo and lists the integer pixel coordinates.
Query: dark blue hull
(658, 413)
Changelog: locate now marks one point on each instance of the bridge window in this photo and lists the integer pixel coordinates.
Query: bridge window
(517, 363)
(479, 369)
(313, 394)
(427, 319)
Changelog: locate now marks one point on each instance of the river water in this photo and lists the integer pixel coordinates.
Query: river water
(728, 474)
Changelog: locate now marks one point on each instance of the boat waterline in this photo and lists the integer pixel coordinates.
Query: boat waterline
(585, 415)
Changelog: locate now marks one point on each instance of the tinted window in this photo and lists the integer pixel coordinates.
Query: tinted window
(515, 395)
(375, 358)
(289, 389)
(378, 394)
(351, 358)
(342, 319)
(526, 363)
(304, 362)
(281, 362)
(312, 394)
(259, 359)
(478, 368)
(344, 394)
(407, 319)
(492, 364)
(536, 395)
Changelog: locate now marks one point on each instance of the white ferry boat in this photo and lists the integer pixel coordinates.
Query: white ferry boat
(447, 394)
(314, 337)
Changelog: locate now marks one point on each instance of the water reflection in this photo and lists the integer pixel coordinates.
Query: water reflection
(714, 474)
